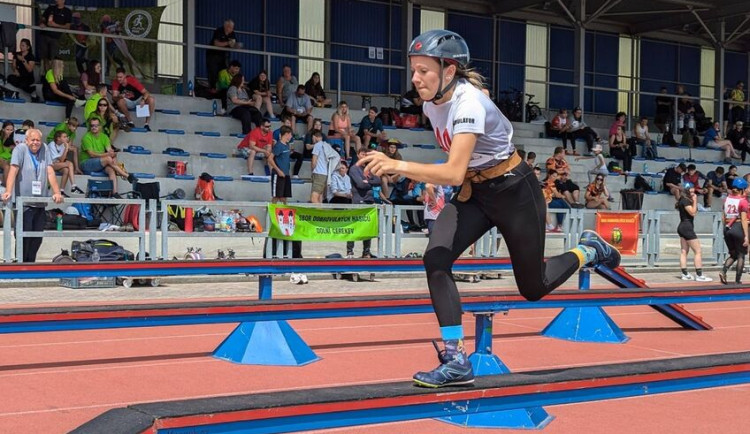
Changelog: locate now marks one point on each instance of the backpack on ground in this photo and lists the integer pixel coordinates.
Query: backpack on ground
(641, 184)
(204, 189)
(668, 139)
(82, 251)
(632, 199)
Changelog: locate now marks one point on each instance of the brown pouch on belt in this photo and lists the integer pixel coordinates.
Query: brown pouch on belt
(477, 176)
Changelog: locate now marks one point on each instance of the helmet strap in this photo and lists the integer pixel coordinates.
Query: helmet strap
(443, 90)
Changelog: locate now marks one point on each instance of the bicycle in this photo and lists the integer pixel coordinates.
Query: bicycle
(533, 111)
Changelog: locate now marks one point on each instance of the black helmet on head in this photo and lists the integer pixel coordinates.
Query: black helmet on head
(446, 46)
(442, 44)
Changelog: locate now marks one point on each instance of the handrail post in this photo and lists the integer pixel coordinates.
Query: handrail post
(165, 230)
(142, 230)
(103, 54)
(7, 232)
(19, 229)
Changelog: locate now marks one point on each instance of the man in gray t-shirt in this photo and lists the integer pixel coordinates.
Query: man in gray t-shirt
(30, 172)
(300, 106)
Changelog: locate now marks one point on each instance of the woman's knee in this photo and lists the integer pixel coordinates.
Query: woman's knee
(437, 259)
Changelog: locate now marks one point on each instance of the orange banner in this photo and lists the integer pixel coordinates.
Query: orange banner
(620, 229)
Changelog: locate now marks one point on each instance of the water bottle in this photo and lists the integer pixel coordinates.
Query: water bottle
(190, 88)
(645, 168)
(658, 139)
(95, 257)
(216, 108)
(59, 223)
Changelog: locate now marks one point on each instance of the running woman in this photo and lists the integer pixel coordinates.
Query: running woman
(687, 205)
(735, 229)
(498, 190)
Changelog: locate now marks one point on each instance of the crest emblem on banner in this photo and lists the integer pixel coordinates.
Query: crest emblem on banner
(286, 218)
(138, 23)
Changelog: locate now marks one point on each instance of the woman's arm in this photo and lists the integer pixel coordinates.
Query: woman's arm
(60, 93)
(693, 208)
(743, 220)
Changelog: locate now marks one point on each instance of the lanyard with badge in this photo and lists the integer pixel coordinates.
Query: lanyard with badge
(36, 184)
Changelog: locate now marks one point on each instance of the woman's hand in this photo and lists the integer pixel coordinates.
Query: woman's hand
(379, 164)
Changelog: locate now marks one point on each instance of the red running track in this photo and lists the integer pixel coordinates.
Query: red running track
(53, 382)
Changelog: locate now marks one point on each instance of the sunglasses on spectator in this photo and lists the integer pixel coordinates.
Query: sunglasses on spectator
(103, 104)
(94, 126)
(600, 179)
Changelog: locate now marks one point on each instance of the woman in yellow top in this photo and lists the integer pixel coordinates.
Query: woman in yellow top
(56, 88)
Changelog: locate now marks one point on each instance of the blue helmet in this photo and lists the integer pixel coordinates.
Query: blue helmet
(687, 185)
(442, 44)
(739, 184)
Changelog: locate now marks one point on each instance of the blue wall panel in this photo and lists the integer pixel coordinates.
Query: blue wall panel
(561, 62)
(512, 55)
(735, 68)
(477, 30)
(602, 57)
(667, 64)
(359, 23)
(689, 67)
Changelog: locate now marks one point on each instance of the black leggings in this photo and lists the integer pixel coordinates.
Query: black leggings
(248, 115)
(515, 205)
(588, 134)
(624, 156)
(63, 87)
(734, 237)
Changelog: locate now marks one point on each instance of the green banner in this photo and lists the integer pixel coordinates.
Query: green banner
(314, 224)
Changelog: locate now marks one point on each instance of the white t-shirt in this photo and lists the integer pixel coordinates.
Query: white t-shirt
(55, 150)
(471, 111)
(321, 166)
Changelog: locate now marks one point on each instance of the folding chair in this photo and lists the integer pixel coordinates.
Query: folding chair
(104, 189)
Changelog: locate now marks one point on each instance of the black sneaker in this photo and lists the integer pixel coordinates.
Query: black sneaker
(75, 189)
(132, 179)
(130, 125)
(147, 128)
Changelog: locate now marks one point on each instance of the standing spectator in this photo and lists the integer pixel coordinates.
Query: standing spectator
(694, 176)
(340, 189)
(712, 139)
(600, 166)
(323, 165)
(619, 122)
(31, 174)
(433, 197)
(80, 41)
(361, 193)
(560, 128)
(127, 91)
(97, 155)
(664, 110)
(216, 60)
(240, 106)
(314, 89)
(286, 85)
(640, 133)
(687, 205)
(260, 88)
(716, 184)
(737, 109)
(341, 127)
(557, 161)
(618, 148)
(23, 69)
(672, 181)
(288, 121)
(259, 140)
(90, 79)
(739, 140)
(56, 88)
(279, 160)
(371, 129)
(597, 195)
(685, 109)
(56, 16)
(579, 129)
(300, 106)
(735, 229)
(225, 80)
(58, 150)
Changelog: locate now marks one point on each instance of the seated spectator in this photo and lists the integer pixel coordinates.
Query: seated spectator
(619, 122)
(341, 127)
(225, 80)
(308, 141)
(597, 195)
(640, 133)
(69, 128)
(685, 109)
(712, 139)
(579, 129)
(664, 110)
(716, 184)
(323, 165)
(288, 121)
(258, 141)
(240, 106)
(560, 128)
(557, 161)
(23, 65)
(391, 151)
(569, 189)
(731, 175)
(6, 147)
(600, 166)
(216, 60)
(260, 89)
(411, 104)
(90, 79)
(371, 132)
(672, 181)
(55, 88)
(739, 139)
(300, 106)
(93, 102)
(362, 187)
(109, 122)
(97, 155)
(127, 93)
(286, 85)
(59, 148)
(555, 200)
(340, 188)
(618, 148)
(314, 89)
(693, 176)
(531, 159)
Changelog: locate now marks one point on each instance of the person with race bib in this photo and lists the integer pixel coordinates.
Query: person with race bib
(687, 206)
(735, 229)
(497, 190)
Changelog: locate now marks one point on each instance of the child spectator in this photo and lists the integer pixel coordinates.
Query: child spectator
(287, 120)
(560, 128)
(323, 165)
(279, 160)
(260, 90)
(716, 184)
(225, 80)
(600, 166)
(531, 159)
(69, 128)
(58, 149)
(6, 147)
(340, 189)
(371, 129)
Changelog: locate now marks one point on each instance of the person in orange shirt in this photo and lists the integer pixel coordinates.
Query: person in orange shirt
(557, 161)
